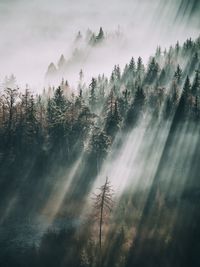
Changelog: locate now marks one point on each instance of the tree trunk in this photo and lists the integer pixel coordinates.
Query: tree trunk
(101, 215)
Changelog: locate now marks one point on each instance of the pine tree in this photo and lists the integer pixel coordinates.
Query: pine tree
(140, 67)
(163, 77)
(113, 120)
(10, 97)
(100, 35)
(56, 112)
(93, 97)
(140, 70)
(103, 204)
(152, 72)
(117, 73)
(178, 74)
(92, 40)
(132, 67)
(52, 70)
(186, 87)
(175, 94)
(98, 146)
(125, 73)
(31, 127)
(61, 62)
(136, 108)
(158, 53)
(193, 63)
(183, 103)
(196, 84)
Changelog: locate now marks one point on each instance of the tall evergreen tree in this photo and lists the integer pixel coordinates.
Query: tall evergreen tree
(136, 108)
(100, 35)
(152, 72)
(178, 74)
(196, 84)
(93, 96)
(113, 120)
(132, 67)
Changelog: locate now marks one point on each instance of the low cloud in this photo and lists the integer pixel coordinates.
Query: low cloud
(34, 33)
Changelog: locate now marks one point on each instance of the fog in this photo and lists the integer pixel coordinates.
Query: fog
(35, 33)
(108, 176)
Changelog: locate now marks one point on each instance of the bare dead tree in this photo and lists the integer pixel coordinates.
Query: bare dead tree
(103, 205)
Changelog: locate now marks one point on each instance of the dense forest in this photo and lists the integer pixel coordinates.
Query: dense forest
(107, 174)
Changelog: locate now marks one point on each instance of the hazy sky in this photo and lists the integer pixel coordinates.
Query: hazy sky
(35, 32)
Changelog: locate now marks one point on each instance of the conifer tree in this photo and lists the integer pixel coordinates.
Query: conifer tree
(103, 204)
(98, 146)
(93, 97)
(100, 35)
(113, 120)
(152, 72)
(61, 62)
(136, 108)
(183, 103)
(10, 99)
(196, 84)
(132, 67)
(178, 74)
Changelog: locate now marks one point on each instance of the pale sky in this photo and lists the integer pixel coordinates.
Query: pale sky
(35, 32)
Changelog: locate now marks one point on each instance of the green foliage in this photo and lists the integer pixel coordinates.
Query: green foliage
(136, 108)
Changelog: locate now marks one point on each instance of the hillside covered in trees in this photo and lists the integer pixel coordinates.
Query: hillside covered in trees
(86, 48)
(140, 129)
